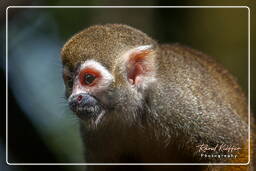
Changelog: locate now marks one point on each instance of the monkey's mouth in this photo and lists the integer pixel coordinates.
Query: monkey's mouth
(86, 106)
(88, 112)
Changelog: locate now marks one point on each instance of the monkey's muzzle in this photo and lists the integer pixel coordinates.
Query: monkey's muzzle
(85, 105)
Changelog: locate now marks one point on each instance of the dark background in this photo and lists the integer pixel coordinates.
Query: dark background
(41, 128)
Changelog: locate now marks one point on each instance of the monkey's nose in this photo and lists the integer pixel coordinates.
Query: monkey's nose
(79, 98)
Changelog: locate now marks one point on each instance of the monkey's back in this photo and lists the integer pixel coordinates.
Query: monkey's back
(203, 76)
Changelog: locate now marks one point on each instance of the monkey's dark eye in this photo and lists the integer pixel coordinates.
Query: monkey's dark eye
(70, 83)
(68, 80)
(89, 78)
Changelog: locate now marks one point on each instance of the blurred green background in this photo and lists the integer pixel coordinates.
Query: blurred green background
(41, 129)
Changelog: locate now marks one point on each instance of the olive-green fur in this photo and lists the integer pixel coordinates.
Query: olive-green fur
(193, 101)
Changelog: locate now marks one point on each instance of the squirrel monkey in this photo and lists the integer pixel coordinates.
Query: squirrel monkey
(143, 102)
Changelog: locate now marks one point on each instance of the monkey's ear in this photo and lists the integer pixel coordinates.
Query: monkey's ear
(140, 66)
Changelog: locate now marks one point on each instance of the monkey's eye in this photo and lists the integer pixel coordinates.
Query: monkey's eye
(68, 80)
(70, 83)
(68, 77)
(89, 77)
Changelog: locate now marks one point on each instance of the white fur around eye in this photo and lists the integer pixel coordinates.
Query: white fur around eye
(107, 77)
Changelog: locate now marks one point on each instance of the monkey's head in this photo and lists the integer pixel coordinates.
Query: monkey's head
(107, 71)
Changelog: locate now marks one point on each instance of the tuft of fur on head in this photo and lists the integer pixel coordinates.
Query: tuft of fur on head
(104, 43)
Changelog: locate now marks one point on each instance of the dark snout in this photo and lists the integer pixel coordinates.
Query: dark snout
(85, 105)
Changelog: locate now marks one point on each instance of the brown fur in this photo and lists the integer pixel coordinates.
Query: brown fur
(194, 101)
